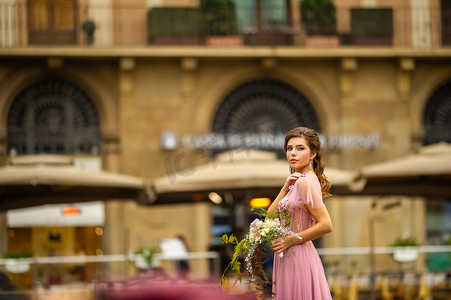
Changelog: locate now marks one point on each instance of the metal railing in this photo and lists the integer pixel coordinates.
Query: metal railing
(339, 278)
(104, 24)
(114, 258)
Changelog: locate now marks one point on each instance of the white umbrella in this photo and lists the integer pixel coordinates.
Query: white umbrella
(239, 170)
(426, 172)
(33, 179)
(430, 160)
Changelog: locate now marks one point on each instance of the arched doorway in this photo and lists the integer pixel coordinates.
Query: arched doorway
(257, 114)
(437, 126)
(53, 116)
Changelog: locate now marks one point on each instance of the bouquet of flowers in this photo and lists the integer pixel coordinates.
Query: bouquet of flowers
(260, 232)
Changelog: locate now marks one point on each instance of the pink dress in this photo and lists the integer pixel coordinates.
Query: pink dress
(299, 274)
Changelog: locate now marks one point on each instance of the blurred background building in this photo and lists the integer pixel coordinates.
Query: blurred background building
(155, 88)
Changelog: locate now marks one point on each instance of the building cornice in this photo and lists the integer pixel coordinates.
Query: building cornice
(226, 53)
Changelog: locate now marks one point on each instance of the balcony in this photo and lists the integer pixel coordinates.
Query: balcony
(233, 24)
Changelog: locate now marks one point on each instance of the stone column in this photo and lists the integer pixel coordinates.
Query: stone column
(406, 67)
(349, 66)
(298, 33)
(202, 235)
(3, 147)
(3, 234)
(189, 67)
(115, 237)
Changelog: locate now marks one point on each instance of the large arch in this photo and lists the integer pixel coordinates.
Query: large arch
(264, 106)
(258, 114)
(99, 92)
(425, 84)
(97, 89)
(321, 95)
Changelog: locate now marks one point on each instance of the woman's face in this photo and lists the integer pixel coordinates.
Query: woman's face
(299, 154)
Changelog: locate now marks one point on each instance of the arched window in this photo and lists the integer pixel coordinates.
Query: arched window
(264, 106)
(437, 116)
(53, 116)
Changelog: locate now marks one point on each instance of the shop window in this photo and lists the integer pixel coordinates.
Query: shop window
(438, 222)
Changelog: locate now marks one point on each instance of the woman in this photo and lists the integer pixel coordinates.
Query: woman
(299, 273)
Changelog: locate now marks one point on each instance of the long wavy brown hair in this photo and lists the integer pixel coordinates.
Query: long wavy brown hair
(314, 143)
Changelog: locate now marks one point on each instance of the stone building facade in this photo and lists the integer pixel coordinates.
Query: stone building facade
(142, 92)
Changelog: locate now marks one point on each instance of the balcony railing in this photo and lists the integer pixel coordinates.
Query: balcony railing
(105, 24)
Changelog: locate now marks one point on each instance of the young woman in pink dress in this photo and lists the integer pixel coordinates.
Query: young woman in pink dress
(299, 273)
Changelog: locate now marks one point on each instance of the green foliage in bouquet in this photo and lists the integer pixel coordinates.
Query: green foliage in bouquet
(260, 232)
(235, 264)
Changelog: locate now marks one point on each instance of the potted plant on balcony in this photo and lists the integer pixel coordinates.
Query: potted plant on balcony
(319, 21)
(18, 262)
(219, 23)
(405, 249)
(89, 27)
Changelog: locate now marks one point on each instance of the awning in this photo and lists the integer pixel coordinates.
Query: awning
(254, 172)
(424, 173)
(86, 214)
(40, 179)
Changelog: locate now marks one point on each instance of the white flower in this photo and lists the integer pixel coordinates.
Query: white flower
(256, 223)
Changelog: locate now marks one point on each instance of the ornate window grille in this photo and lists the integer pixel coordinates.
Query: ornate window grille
(53, 116)
(437, 116)
(264, 106)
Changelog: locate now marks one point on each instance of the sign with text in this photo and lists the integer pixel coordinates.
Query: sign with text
(268, 141)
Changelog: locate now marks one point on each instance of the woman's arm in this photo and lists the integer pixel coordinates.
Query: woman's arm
(273, 207)
(323, 225)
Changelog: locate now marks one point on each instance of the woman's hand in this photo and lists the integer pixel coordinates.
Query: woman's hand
(280, 245)
(291, 179)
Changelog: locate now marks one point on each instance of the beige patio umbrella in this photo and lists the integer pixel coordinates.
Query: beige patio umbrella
(251, 172)
(39, 179)
(425, 173)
